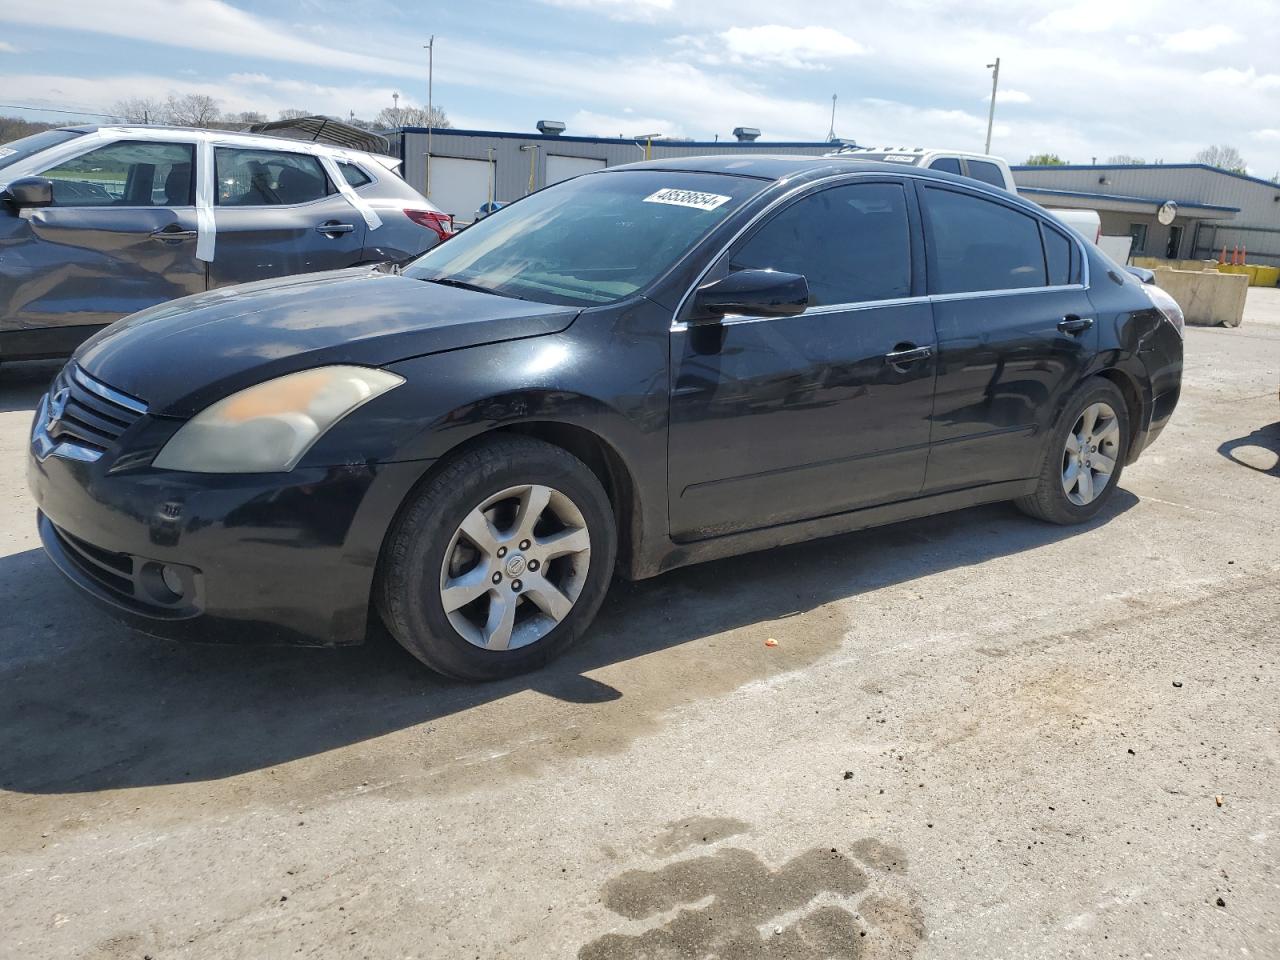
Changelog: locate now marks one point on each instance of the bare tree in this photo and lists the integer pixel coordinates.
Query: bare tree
(1226, 157)
(192, 110)
(1126, 159)
(141, 110)
(246, 117)
(410, 116)
(293, 114)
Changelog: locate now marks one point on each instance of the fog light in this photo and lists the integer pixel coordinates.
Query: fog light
(172, 579)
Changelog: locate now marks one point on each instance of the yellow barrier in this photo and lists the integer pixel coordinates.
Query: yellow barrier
(1258, 274)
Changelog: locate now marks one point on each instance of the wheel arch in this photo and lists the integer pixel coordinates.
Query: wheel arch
(1133, 401)
(599, 455)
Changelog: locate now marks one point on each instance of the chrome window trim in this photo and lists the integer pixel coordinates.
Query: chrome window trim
(733, 319)
(106, 392)
(977, 187)
(1007, 292)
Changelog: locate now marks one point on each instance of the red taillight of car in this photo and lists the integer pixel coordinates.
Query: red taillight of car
(441, 223)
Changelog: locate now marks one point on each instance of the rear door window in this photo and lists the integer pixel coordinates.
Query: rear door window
(353, 174)
(268, 178)
(852, 243)
(978, 244)
(127, 173)
(1057, 256)
(986, 172)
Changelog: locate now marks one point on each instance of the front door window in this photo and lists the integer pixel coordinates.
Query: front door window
(128, 173)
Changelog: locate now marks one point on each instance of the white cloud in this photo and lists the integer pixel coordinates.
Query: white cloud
(1269, 135)
(6, 47)
(1009, 96)
(1249, 80)
(199, 25)
(619, 9)
(773, 45)
(1201, 39)
(588, 123)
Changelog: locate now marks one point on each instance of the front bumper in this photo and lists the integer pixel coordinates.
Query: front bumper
(283, 558)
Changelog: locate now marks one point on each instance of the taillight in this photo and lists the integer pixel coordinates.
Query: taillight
(441, 223)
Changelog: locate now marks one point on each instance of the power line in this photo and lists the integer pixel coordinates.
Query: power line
(73, 113)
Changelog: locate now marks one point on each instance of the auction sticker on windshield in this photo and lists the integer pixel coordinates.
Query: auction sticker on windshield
(687, 198)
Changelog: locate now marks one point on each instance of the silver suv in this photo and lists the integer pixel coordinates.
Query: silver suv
(98, 222)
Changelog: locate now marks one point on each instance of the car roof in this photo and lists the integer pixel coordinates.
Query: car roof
(802, 169)
(264, 140)
(764, 166)
(791, 167)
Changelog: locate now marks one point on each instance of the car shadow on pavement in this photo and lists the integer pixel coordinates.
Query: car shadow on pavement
(1258, 451)
(87, 705)
(22, 383)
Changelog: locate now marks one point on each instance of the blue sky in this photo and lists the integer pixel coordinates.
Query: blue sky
(1082, 78)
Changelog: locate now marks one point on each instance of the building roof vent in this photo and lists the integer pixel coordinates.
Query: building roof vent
(550, 128)
(746, 134)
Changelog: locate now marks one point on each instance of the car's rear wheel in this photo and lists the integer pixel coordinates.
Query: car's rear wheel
(500, 562)
(1084, 458)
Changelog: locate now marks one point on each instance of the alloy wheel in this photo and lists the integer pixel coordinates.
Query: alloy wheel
(515, 567)
(1089, 459)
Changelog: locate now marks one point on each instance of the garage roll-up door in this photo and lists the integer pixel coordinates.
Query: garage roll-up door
(459, 186)
(562, 168)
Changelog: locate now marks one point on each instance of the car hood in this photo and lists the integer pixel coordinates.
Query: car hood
(181, 356)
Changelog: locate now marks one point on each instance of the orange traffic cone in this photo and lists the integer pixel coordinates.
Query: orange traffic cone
(1222, 259)
(1244, 255)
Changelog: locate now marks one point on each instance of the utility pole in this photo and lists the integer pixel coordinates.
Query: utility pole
(431, 107)
(831, 134)
(991, 114)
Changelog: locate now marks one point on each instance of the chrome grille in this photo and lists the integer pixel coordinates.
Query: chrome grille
(82, 417)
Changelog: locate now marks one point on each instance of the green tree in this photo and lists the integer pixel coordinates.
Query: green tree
(1045, 160)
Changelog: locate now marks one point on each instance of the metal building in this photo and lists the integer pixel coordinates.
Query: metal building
(1214, 206)
(470, 167)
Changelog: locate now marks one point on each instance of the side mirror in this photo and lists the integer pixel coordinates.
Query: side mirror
(30, 192)
(751, 293)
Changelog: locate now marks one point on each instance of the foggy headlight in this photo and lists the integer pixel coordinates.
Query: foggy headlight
(268, 427)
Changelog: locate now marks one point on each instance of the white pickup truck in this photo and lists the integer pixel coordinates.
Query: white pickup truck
(979, 166)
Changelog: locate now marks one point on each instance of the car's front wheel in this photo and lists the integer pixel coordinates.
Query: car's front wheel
(1085, 455)
(500, 562)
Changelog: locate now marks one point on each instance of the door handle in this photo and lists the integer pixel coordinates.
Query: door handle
(905, 353)
(333, 228)
(1073, 325)
(172, 232)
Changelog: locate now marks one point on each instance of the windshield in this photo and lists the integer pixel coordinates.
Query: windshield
(591, 240)
(16, 150)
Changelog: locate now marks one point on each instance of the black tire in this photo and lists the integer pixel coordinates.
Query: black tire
(407, 594)
(1050, 502)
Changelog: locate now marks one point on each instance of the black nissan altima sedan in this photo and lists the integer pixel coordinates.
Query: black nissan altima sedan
(641, 368)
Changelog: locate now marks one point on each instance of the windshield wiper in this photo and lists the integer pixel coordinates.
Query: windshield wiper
(464, 285)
